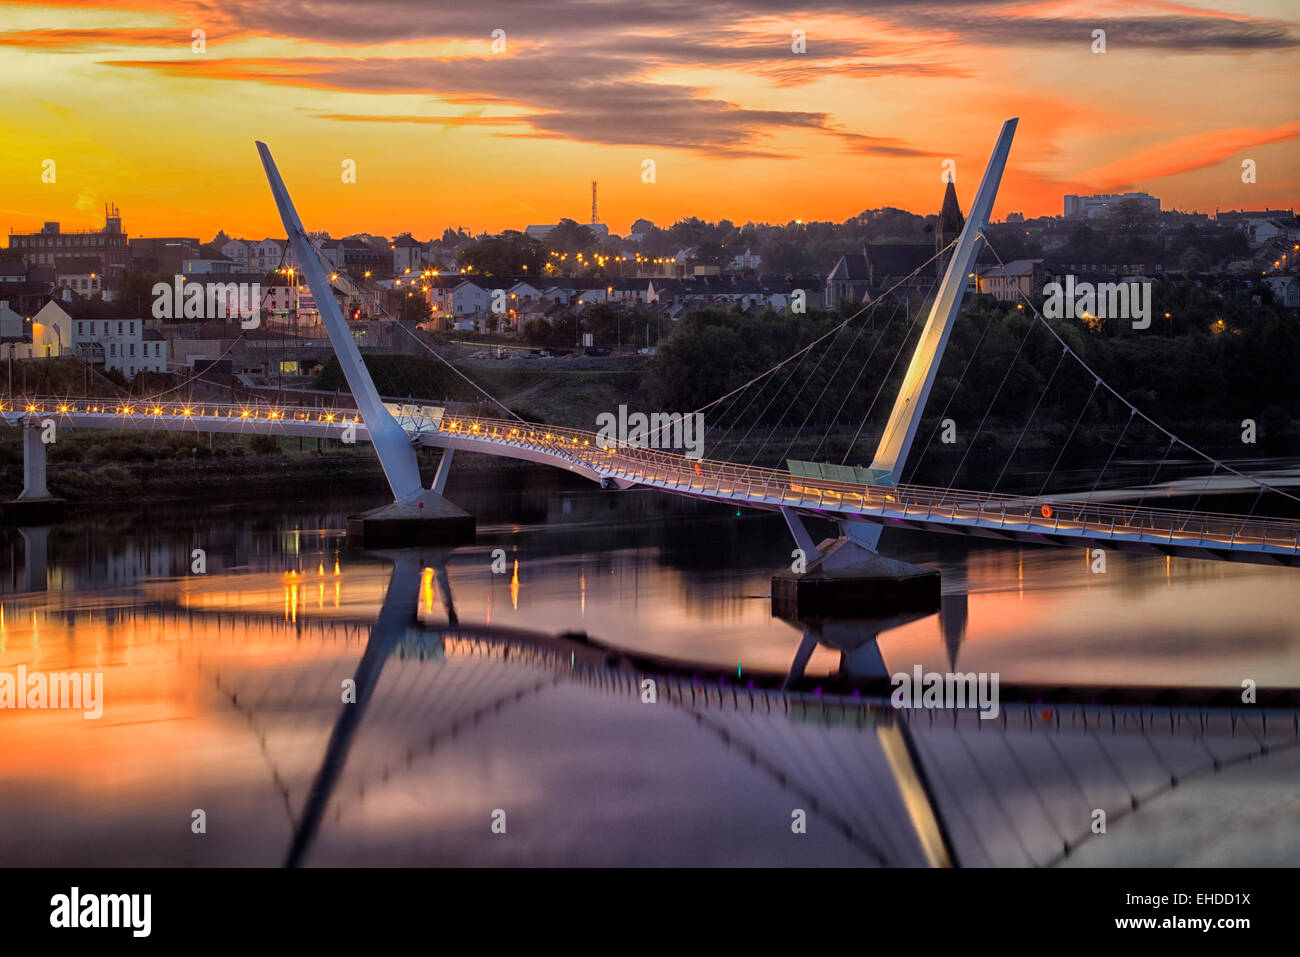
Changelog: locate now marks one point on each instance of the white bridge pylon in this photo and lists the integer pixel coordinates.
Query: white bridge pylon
(909, 406)
(391, 442)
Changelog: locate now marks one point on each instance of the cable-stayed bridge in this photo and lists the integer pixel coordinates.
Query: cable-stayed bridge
(861, 504)
(1050, 520)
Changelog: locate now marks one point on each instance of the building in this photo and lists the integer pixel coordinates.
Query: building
(948, 228)
(52, 247)
(1102, 204)
(1027, 276)
(848, 280)
(357, 257)
(599, 230)
(13, 325)
(1286, 290)
(270, 254)
(407, 254)
(100, 333)
(1261, 226)
(200, 267)
(237, 251)
(26, 288)
(84, 276)
(898, 270)
(163, 254)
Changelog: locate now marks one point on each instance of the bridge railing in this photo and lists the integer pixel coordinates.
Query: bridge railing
(1039, 514)
(254, 411)
(753, 484)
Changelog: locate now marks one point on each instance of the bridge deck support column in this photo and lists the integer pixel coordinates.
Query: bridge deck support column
(417, 516)
(444, 469)
(34, 505)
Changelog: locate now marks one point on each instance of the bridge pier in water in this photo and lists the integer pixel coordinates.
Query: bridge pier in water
(847, 579)
(427, 519)
(34, 505)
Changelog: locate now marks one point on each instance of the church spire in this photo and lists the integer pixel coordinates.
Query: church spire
(950, 224)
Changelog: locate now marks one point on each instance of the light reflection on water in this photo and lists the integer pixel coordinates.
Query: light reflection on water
(223, 693)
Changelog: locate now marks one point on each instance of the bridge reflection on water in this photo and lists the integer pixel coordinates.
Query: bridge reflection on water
(235, 707)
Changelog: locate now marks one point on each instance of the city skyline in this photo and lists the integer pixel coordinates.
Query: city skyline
(445, 132)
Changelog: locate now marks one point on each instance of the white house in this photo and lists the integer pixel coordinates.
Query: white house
(267, 255)
(237, 251)
(407, 255)
(1286, 289)
(470, 299)
(100, 333)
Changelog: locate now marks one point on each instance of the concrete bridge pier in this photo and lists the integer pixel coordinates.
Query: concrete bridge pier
(425, 518)
(34, 505)
(847, 578)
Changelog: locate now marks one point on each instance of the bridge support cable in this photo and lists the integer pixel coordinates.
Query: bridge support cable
(243, 334)
(813, 408)
(804, 384)
(993, 401)
(1142, 415)
(759, 419)
(1029, 421)
(830, 332)
(1151, 483)
(1115, 448)
(1065, 444)
(970, 361)
(437, 355)
(866, 364)
(879, 389)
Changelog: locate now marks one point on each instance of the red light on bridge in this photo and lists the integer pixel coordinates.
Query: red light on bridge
(1047, 511)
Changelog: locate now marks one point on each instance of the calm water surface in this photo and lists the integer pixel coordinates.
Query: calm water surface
(222, 693)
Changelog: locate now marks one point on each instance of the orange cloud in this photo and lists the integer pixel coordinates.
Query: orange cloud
(1184, 154)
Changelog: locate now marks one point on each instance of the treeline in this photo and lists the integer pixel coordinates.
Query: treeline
(401, 376)
(1200, 372)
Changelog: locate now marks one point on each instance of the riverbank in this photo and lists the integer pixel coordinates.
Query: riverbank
(185, 480)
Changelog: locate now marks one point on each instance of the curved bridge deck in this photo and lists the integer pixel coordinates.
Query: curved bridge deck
(1049, 520)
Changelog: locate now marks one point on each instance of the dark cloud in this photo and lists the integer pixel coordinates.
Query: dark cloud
(587, 70)
(589, 98)
(688, 31)
(1170, 34)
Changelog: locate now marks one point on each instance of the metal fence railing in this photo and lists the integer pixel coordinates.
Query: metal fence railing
(743, 483)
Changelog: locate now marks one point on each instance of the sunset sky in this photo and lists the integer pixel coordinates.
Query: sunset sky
(445, 132)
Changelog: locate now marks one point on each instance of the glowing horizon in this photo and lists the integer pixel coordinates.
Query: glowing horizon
(446, 133)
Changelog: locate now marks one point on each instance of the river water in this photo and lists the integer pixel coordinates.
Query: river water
(502, 727)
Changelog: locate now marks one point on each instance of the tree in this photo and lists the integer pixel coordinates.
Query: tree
(1130, 215)
(135, 289)
(510, 254)
(415, 308)
(1192, 260)
(569, 237)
